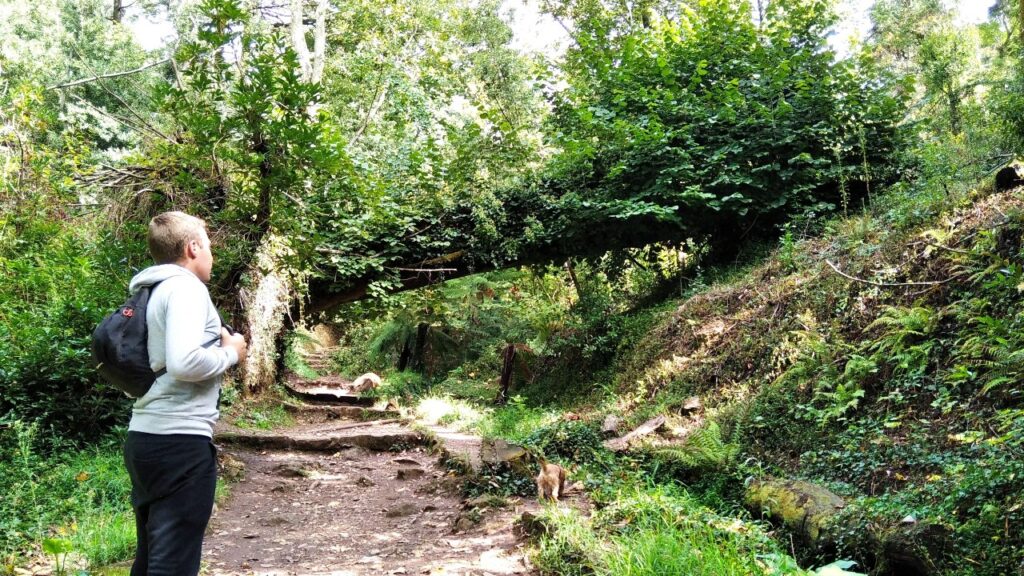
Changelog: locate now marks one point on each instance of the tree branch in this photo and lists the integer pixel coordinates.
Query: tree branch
(117, 97)
(887, 284)
(122, 121)
(110, 75)
(379, 97)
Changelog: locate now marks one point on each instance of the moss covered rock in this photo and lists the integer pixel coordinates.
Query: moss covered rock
(801, 506)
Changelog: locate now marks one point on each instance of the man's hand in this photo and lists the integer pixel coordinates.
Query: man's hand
(236, 341)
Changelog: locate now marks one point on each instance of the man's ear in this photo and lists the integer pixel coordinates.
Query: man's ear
(191, 249)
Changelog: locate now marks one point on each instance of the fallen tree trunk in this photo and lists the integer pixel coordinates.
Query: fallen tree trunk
(801, 506)
(884, 546)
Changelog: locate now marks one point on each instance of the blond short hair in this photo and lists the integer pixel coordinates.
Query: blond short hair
(170, 232)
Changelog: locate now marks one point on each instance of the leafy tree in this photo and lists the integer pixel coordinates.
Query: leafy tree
(711, 124)
(1007, 94)
(59, 42)
(59, 274)
(919, 39)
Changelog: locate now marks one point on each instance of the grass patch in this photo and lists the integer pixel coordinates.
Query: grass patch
(104, 537)
(655, 531)
(264, 418)
(117, 570)
(448, 411)
(472, 384)
(265, 413)
(406, 386)
(515, 421)
(294, 359)
(85, 502)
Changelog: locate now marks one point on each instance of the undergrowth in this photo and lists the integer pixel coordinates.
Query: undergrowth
(898, 389)
(655, 530)
(68, 498)
(78, 498)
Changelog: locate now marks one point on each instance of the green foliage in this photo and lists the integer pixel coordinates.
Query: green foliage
(572, 440)
(464, 323)
(60, 269)
(404, 385)
(1007, 96)
(84, 506)
(515, 422)
(569, 549)
(103, 537)
(961, 510)
(905, 341)
(53, 42)
(293, 358)
(263, 416)
(656, 531)
(814, 359)
(58, 548)
(502, 479)
(686, 115)
(55, 286)
(704, 451)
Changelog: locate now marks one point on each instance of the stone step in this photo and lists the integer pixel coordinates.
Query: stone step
(474, 452)
(328, 412)
(376, 435)
(330, 396)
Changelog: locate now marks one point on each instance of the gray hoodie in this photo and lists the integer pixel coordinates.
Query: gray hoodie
(181, 318)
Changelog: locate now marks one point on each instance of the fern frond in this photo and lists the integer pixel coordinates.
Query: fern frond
(391, 337)
(703, 449)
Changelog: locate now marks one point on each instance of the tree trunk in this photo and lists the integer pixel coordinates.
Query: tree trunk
(118, 12)
(312, 65)
(804, 507)
(265, 306)
(506, 374)
(299, 39)
(319, 43)
(954, 111)
(575, 281)
(418, 362)
(403, 358)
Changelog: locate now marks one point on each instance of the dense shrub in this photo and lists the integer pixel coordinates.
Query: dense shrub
(57, 280)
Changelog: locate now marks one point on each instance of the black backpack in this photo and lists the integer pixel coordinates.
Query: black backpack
(119, 346)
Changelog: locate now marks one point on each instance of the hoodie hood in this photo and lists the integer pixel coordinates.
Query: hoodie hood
(158, 273)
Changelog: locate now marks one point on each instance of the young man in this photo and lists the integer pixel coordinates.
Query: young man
(169, 452)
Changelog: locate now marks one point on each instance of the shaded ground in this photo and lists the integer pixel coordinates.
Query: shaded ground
(348, 510)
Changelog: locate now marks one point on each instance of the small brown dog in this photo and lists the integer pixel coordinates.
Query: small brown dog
(550, 481)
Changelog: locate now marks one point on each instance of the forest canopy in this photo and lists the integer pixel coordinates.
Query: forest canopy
(344, 150)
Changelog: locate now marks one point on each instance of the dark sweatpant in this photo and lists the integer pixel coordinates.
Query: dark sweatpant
(173, 480)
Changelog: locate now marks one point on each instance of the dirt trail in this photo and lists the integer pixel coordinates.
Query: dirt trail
(343, 509)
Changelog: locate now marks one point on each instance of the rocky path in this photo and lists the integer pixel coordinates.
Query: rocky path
(341, 495)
